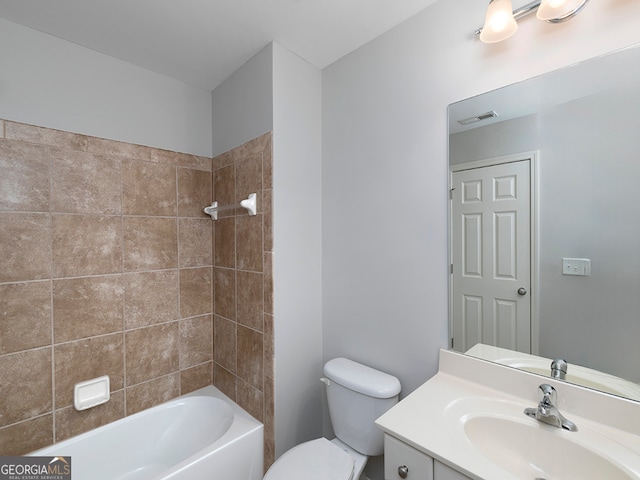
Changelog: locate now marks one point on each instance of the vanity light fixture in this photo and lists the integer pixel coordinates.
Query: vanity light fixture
(500, 22)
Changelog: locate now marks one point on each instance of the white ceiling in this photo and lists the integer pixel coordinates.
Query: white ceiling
(202, 42)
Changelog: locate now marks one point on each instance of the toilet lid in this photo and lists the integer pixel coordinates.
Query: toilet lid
(314, 460)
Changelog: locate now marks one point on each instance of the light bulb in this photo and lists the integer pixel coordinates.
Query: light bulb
(556, 11)
(499, 23)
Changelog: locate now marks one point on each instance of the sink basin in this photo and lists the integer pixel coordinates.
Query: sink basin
(498, 433)
(532, 451)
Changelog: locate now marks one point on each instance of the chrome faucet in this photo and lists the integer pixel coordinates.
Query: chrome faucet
(547, 412)
(559, 369)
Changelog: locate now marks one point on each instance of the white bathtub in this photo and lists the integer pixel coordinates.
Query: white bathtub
(202, 435)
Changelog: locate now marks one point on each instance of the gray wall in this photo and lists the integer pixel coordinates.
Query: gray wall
(297, 268)
(242, 105)
(53, 83)
(385, 168)
(588, 208)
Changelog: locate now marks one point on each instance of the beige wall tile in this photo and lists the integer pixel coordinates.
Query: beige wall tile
(195, 191)
(195, 241)
(249, 301)
(249, 243)
(150, 298)
(224, 159)
(25, 240)
(250, 356)
(267, 165)
(148, 189)
(224, 292)
(163, 156)
(29, 376)
(225, 381)
(86, 359)
(267, 221)
(85, 183)
(196, 377)
(154, 392)
(150, 243)
(24, 176)
(243, 247)
(253, 146)
(70, 422)
(25, 316)
(268, 282)
(85, 307)
(196, 286)
(196, 341)
(94, 244)
(251, 399)
(249, 178)
(269, 421)
(224, 185)
(27, 436)
(225, 242)
(268, 346)
(151, 352)
(104, 146)
(224, 343)
(194, 161)
(86, 245)
(181, 159)
(46, 136)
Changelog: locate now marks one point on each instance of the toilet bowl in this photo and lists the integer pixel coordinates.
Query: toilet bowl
(356, 395)
(318, 459)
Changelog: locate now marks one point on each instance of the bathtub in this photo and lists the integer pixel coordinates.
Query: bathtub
(201, 435)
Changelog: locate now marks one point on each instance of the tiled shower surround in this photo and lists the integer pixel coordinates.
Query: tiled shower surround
(108, 266)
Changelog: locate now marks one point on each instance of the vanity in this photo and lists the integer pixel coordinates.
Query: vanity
(468, 422)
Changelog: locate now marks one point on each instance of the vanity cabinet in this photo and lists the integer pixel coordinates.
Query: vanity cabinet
(403, 462)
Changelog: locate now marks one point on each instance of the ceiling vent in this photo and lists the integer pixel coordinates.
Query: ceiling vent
(478, 118)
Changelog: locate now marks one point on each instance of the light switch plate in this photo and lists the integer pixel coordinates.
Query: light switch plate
(576, 266)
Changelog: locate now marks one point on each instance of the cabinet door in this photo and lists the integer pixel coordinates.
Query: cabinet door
(402, 462)
(443, 472)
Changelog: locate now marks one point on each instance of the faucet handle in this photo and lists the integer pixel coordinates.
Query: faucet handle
(547, 394)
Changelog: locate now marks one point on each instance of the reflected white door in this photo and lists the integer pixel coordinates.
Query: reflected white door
(491, 251)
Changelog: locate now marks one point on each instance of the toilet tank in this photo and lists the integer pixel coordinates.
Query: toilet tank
(357, 395)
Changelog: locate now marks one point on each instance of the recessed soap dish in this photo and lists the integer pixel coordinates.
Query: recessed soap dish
(91, 393)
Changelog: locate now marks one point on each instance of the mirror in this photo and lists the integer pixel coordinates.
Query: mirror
(582, 124)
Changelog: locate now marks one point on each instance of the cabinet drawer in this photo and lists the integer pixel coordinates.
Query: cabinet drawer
(402, 462)
(443, 472)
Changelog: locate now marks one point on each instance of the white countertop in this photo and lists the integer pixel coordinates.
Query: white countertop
(429, 418)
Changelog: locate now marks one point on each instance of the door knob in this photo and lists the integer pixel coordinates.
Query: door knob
(403, 471)
(522, 291)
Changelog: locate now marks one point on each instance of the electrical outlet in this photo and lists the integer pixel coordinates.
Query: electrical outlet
(576, 266)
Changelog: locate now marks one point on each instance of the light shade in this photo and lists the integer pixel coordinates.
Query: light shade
(556, 11)
(499, 23)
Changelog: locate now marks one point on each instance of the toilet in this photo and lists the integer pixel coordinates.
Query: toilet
(357, 395)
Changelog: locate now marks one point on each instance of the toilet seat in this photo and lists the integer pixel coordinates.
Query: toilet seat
(313, 460)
